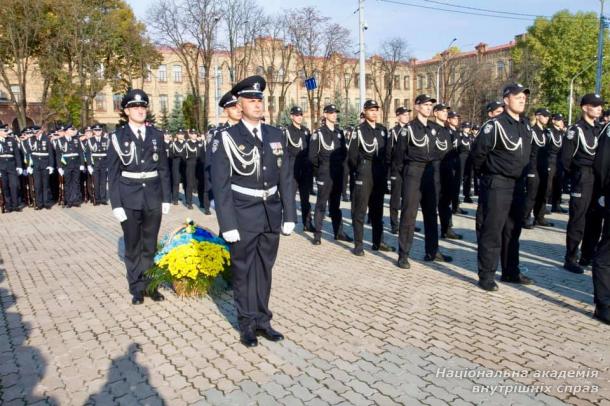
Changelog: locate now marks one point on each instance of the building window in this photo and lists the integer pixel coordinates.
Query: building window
(148, 73)
(177, 73)
(368, 81)
(100, 102)
(420, 82)
(397, 82)
(304, 103)
(429, 81)
(201, 73)
(396, 103)
(116, 102)
(407, 103)
(501, 69)
(356, 83)
(179, 99)
(162, 73)
(407, 84)
(163, 101)
(17, 92)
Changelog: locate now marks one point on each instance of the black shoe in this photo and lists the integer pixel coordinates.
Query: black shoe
(316, 240)
(544, 223)
(309, 228)
(345, 198)
(207, 212)
(104, 202)
(438, 257)
(468, 200)
(189, 206)
(459, 211)
(404, 263)
(96, 204)
(359, 251)
(451, 235)
(585, 262)
(248, 338)
(547, 211)
(137, 299)
(559, 209)
(68, 206)
(18, 209)
(520, 279)
(175, 202)
(417, 229)
(48, 207)
(394, 230)
(344, 237)
(156, 296)
(528, 225)
(38, 208)
(384, 247)
(270, 334)
(573, 267)
(488, 284)
(602, 313)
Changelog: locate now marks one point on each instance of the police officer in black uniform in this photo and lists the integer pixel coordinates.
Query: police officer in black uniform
(601, 262)
(140, 190)
(178, 153)
(97, 151)
(558, 130)
(297, 157)
(464, 141)
(42, 156)
(416, 156)
(578, 155)
(547, 168)
(11, 167)
(402, 118)
(254, 201)
(193, 152)
(448, 167)
(367, 158)
(532, 185)
(327, 153)
(501, 153)
(70, 162)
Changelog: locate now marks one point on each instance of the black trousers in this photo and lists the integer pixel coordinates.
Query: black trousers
(191, 180)
(601, 266)
(581, 196)
(448, 178)
(330, 184)
(41, 187)
(499, 221)
(203, 185)
(545, 187)
(348, 182)
(100, 184)
(72, 187)
(558, 183)
(532, 184)
(369, 190)
(461, 169)
(420, 185)
(252, 259)
(140, 232)
(470, 178)
(10, 188)
(177, 165)
(594, 221)
(303, 179)
(395, 199)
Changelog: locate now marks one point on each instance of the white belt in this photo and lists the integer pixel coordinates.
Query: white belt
(70, 155)
(264, 193)
(99, 154)
(6, 156)
(140, 175)
(40, 153)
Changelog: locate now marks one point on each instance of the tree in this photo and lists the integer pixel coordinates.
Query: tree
(383, 70)
(176, 117)
(552, 52)
(318, 43)
(164, 121)
(189, 111)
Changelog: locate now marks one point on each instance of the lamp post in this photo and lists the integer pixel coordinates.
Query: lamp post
(571, 97)
(438, 71)
(600, 49)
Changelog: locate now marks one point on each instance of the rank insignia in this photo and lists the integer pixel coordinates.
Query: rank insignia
(215, 146)
(488, 128)
(279, 162)
(570, 134)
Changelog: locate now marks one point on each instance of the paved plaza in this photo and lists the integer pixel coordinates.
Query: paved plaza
(359, 331)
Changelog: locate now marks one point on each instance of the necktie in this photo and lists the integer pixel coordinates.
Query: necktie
(140, 134)
(255, 132)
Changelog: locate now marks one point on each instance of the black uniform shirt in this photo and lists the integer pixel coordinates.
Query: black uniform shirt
(554, 142)
(332, 139)
(10, 155)
(507, 152)
(371, 146)
(575, 151)
(297, 141)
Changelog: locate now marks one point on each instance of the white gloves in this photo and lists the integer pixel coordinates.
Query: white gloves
(61, 171)
(50, 169)
(288, 228)
(602, 201)
(165, 208)
(30, 170)
(90, 169)
(82, 168)
(19, 171)
(231, 236)
(119, 214)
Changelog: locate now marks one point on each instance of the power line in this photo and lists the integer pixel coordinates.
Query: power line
(455, 11)
(485, 10)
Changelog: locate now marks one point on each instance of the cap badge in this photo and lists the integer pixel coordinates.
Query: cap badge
(256, 86)
(137, 97)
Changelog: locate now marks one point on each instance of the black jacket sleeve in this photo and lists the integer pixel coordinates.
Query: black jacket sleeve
(482, 146)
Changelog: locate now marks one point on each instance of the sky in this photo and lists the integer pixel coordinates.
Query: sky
(427, 31)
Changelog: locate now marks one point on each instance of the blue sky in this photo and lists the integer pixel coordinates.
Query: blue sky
(427, 31)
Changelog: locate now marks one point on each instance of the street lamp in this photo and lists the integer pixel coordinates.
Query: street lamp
(438, 72)
(571, 98)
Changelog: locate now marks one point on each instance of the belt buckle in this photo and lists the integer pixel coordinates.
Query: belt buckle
(265, 195)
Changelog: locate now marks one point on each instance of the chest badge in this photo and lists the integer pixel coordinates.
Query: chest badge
(279, 162)
(155, 157)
